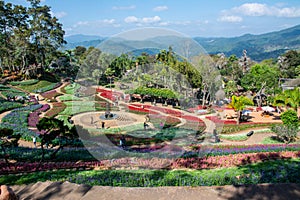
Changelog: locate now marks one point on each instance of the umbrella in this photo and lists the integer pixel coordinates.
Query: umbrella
(245, 112)
(268, 108)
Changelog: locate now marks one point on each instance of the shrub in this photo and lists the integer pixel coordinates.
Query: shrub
(290, 117)
(26, 82)
(285, 133)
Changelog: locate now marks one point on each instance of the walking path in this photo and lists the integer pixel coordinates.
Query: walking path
(70, 191)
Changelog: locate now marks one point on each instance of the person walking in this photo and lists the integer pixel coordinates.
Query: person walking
(34, 141)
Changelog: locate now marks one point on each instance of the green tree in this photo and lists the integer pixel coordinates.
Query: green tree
(55, 133)
(238, 104)
(7, 139)
(288, 98)
(46, 32)
(288, 63)
(261, 77)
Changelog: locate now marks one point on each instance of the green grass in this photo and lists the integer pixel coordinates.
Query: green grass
(69, 97)
(270, 140)
(280, 171)
(38, 85)
(239, 137)
(76, 107)
(25, 82)
(72, 88)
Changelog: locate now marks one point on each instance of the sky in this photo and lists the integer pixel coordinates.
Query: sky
(203, 18)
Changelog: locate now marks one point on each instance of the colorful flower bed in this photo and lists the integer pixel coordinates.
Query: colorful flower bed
(34, 118)
(17, 120)
(20, 167)
(56, 109)
(213, 162)
(8, 105)
(52, 94)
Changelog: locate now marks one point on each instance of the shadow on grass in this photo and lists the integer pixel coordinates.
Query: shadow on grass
(276, 179)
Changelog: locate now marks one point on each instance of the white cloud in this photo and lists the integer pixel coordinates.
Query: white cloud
(99, 23)
(131, 7)
(58, 14)
(160, 8)
(230, 18)
(131, 19)
(144, 20)
(150, 19)
(108, 21)
(258, 9)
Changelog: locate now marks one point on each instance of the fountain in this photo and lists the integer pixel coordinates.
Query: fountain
(108, 115)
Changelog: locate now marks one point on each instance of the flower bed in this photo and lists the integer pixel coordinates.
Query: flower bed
(231, 160)
(235, 149)
(25, 82)
(47, 88)
(230, 128)
(56, 109)
(52, 94)
(20, 167)
(8, 105)
(17, 120)
(34, 118)
(12, 92)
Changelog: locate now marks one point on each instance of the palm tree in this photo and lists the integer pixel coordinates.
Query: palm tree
(238, 104)
(289, 98)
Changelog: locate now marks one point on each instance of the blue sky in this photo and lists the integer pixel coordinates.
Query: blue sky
(213, 18)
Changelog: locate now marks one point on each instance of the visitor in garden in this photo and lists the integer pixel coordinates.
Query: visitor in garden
(123, 142)
(145, 125)
(34, 141)
(147, 118)
(103, 125)
(161, 125)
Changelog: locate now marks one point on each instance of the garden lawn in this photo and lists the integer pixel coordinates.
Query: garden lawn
(76, 107)
(280, 171)
(34, 87)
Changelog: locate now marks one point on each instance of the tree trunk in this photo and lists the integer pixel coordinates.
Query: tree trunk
(43, 152)
(53, 155)
(4, 151)
(238, 117)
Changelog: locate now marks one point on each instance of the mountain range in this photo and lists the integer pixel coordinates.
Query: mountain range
(258, 47)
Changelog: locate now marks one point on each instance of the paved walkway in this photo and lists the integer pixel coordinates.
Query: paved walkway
(69, 191)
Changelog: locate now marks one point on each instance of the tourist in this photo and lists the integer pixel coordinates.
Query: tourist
(145, 125)
(34, 141)
(161, 125)
(122, 142)
(103, 125)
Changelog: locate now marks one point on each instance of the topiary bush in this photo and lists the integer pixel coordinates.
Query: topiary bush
(290, 117)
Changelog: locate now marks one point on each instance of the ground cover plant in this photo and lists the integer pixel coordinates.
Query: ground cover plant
(11, 92)
(36, 86)
(24, 82)
(51, 94)
(281, 171)
(17, 120)
(8, 105)
(57, 108)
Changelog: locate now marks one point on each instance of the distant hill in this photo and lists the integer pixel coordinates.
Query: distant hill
(259, 47)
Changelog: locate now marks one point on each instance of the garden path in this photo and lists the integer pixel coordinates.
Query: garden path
(67, 190)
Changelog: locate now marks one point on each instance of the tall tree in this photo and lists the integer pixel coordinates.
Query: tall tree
(46, 32)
